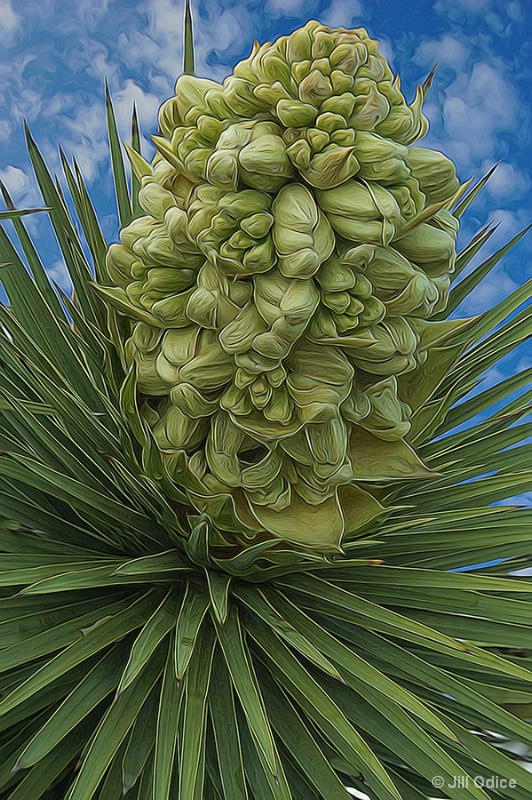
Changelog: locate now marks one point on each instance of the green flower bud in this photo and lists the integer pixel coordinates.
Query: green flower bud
(436, 173)
(371, 107)
(429, 247)
(299, 44)
(119, 263)
(270, 65)
(257, 225)
(302, 236)
(240, 97)
(374, 68)
(379, 410)
(300, 70)
(190, 94)
(210, 128)
(318, 139)
(330, 168)
(221, 449)
(341, 82)
(265, 164)
(342, 104)
(392, 350)
(300, 154)
(222, 169)
(315, 88)
(361, 212)
(330, 122)
(347, 58)
(145, 338)
(294, 114)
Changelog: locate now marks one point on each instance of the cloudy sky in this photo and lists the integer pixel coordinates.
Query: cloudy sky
(55, 55)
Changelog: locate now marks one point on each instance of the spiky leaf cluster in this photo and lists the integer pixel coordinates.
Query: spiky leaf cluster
(282, 285)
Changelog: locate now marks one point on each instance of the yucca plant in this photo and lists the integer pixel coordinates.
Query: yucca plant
(236, 475)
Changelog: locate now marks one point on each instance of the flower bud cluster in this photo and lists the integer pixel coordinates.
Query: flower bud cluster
(294, 248)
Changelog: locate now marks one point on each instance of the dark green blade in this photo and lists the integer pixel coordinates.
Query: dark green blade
(188, 42)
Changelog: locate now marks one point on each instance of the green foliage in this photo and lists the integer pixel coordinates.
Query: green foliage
(143, 656)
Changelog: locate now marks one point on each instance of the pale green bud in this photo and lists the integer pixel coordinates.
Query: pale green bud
(341, 82)
(238, 335)
(271, 93)
(295, 114)
(265, 164)
(299, 45)
(261, 257)
(119, 263)
(371, 108)
(300, 154)
(211, 368)
(347, 58)
(190, 94)
(330, 122)
(436, 173)
(300, 70)
(342, 104)
(379, 409)
(430, 248)
(221, 449)
(318, 139)
(145, 337)
(280, 408)
(172, 309)
(240, 97)
(374, 68)
(392, 350)
(315, 88)
(330, 168)
(154, 199)
(297, 215)
(210, 128)
(257, 225)
(222, 169)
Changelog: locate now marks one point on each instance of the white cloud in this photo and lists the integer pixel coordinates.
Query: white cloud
(91, 12)
(156, 50)
(478, 106)
(511, 222)
(498, 16)
(488, 293)
(9, 23)
(447, 51)
(507, 182)
(6, 129)
(290, 8)
(342, 13)
(147, 106)
(88, 140)
(19, 185)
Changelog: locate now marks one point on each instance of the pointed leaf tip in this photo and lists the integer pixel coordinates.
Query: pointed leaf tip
(427, 83)
(5, 194)
(188, 42)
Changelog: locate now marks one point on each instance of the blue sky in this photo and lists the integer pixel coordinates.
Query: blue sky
(55, 54)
